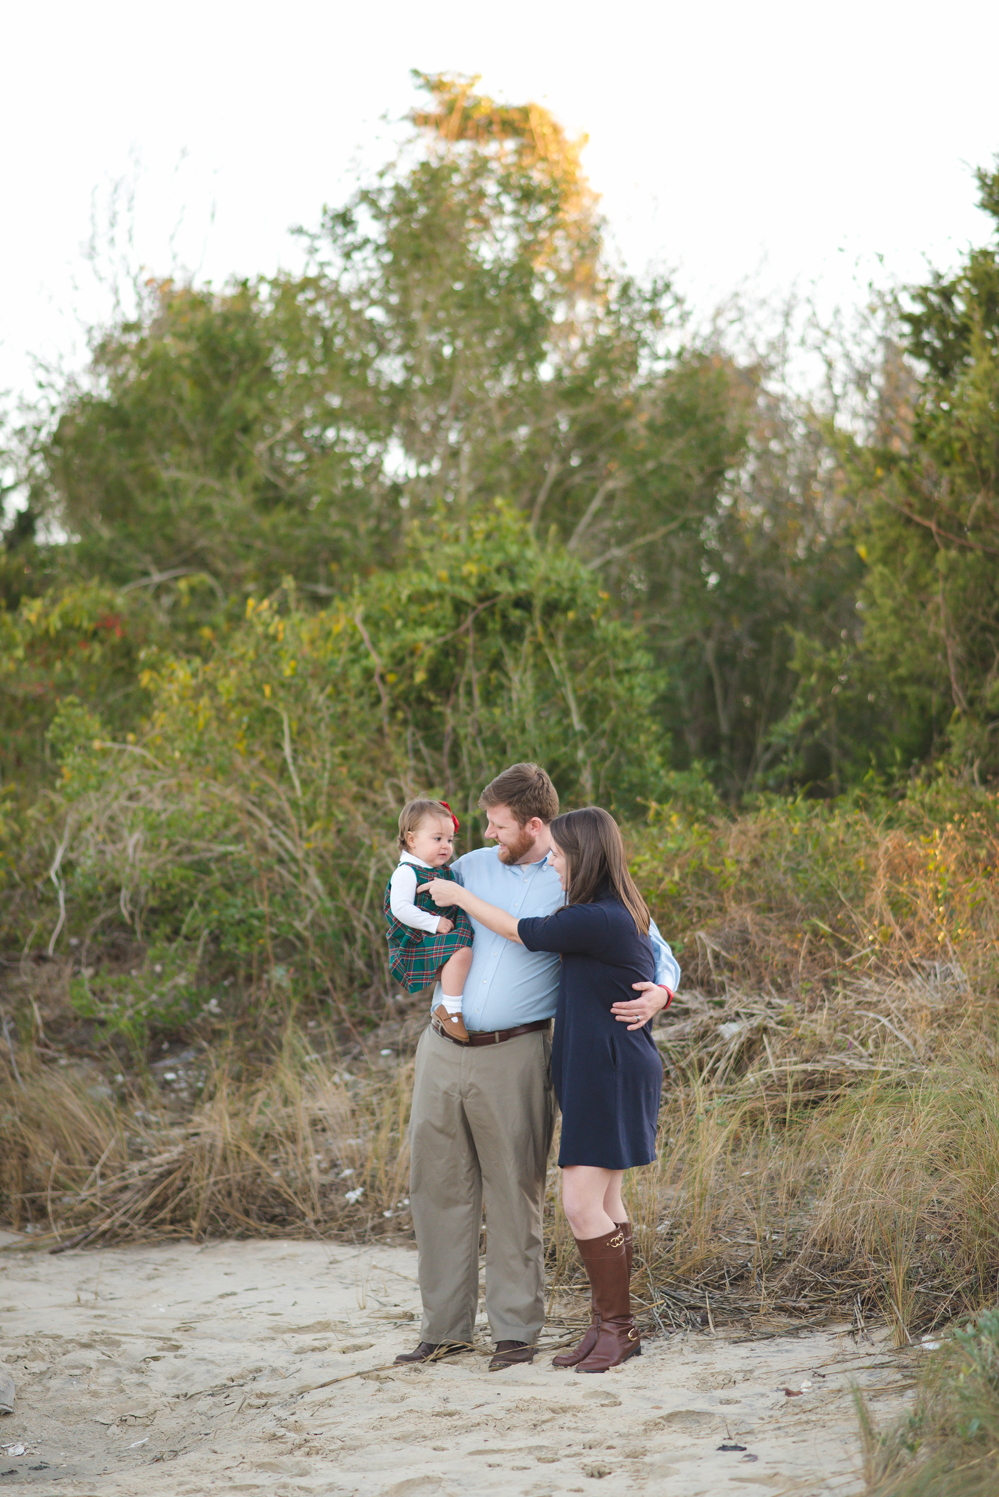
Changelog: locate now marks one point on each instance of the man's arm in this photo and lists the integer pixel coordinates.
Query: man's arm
(667, 966)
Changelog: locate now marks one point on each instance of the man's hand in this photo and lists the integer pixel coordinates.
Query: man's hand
(444, 926)
(443, 892)
(638, 1011)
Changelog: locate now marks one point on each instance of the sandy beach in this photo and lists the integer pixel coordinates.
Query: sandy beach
(181, 1368)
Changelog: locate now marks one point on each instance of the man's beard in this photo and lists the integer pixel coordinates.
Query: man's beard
(516, 850)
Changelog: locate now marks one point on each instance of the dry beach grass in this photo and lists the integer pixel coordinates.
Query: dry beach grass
(830, 1128)
(841, 1161)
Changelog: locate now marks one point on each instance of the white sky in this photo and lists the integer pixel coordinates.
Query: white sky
(788, 142)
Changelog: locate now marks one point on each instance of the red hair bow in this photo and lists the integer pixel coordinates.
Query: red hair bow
(450, 813)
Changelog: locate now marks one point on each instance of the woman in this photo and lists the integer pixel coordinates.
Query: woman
(607, 1078)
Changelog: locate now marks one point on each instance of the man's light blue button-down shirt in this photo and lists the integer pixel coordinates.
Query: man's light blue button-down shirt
(508, 985)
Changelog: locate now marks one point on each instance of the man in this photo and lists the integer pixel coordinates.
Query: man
(484, 1110)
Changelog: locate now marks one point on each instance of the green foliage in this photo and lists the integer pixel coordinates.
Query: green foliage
(161, 994)
(792, 893)
(930, 528)
(492, 648)
(949, 1445)
(208, 442)
(253, 814)
(765, 579)
(458, 336)
(805, 610)
(83, 641)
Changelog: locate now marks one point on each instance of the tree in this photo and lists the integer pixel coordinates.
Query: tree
(253, 815)
(460, 336)
(930, 527)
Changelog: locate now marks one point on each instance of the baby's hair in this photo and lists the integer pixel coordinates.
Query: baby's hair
(414, 813)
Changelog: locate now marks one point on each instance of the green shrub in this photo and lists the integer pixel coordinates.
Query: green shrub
(253, 814)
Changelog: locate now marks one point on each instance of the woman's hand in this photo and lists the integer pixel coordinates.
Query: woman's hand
(443, 892)
(638, 1011)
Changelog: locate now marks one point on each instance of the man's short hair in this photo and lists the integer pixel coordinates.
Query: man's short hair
(526, 789)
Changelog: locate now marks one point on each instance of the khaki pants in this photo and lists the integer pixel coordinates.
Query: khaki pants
(480, 1131)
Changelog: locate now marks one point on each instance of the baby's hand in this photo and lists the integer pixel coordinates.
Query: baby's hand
(444, 926)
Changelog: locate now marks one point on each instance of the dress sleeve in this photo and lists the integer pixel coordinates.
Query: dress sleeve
(578, 927)
(403, 893)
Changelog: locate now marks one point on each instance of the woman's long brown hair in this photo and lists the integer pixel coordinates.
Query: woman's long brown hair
(594, 854)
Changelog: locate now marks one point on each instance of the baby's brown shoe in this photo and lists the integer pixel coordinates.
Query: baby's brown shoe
(452, 1024)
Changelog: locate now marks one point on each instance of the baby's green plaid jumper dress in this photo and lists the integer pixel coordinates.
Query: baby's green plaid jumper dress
(416, 956)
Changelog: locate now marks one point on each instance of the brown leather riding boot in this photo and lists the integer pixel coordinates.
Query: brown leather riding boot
(629, 1245)
(617, 1335)
(589, 1341)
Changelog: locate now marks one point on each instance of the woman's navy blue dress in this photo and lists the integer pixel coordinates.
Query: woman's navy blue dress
(608, 1078)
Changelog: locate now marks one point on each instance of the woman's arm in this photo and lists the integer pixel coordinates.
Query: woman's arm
(443, 892)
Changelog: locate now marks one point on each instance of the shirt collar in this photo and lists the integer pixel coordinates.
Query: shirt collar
(407, 857)
(541, 863)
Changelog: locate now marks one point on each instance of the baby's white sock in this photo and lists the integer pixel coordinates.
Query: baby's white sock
(452, 1002)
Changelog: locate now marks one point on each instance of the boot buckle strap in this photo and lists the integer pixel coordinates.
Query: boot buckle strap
(616, 1240)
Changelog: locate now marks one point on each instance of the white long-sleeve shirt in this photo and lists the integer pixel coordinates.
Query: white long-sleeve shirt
(402, 897)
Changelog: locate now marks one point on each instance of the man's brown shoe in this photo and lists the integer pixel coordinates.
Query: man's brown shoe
(452, 1024)
(509, 1353)
(433, 1351)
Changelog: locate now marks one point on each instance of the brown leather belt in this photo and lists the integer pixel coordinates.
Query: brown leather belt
(490, 1036)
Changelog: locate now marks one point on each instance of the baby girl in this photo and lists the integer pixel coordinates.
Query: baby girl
(425, 943)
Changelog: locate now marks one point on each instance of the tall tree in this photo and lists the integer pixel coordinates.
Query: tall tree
(930, 529)
(460, 336)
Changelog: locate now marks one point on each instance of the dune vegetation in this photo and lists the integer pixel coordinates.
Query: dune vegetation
(464, 493)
